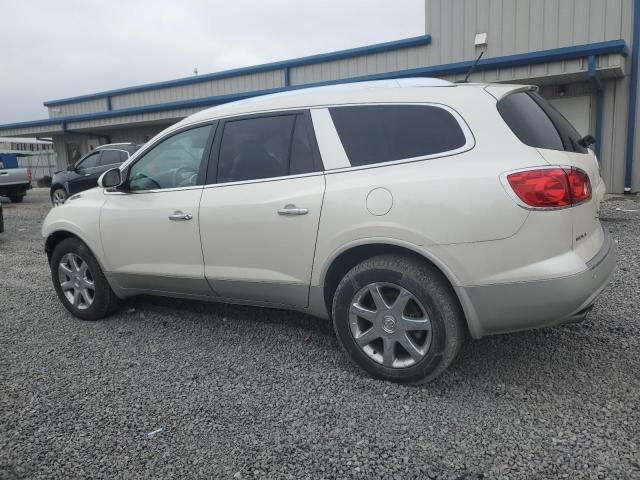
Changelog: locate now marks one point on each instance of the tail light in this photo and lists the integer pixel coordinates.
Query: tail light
(29, 174)
(553, 187)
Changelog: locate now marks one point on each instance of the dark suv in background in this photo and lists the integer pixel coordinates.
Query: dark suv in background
(84, 174)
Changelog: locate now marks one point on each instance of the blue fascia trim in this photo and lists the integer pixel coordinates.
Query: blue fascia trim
(520, 59)
(593, 75)
(296, 62)
(633, 98)
(592, 72)
(613, 46)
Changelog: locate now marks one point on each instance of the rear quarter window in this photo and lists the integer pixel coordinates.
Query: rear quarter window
(538, 124)
(382, 133)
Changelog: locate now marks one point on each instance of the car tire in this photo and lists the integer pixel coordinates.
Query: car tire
(74, 269)
(58, 197)
(414, 335)
(16, 198)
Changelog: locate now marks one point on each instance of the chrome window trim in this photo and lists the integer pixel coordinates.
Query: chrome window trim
(470, 141)
(263, 180)
(215, 185)
(114, 191)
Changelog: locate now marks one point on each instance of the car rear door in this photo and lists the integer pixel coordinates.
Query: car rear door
(260, 211)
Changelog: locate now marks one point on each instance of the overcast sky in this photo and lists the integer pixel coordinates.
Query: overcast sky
(63, 48)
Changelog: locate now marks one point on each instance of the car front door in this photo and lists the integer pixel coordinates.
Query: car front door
(85, 174)
(150, 226)
(260, 209)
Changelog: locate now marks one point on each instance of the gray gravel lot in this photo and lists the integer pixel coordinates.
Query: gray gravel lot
(244, 392)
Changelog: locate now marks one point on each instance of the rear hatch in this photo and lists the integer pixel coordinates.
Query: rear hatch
(538, 124)
(14, 176)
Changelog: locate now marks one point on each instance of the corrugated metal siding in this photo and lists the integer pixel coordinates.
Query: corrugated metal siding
(164, 117)
(31, 131)
(400, 59)
(614, 125)
(225, 86)
(89, 106)
(135, 134)
(519, 26)
(40, 165)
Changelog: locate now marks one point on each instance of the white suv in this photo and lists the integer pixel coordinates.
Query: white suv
(411, 212)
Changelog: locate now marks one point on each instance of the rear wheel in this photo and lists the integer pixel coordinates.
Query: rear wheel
(16, 197)
(79, 282)
(58, 197)
(398, 319)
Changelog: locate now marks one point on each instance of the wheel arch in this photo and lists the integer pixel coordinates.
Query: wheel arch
(56, 186)
(351, 255)
(54, 238)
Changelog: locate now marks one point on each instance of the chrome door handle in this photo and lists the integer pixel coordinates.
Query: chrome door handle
(180, 216)
(291, 210)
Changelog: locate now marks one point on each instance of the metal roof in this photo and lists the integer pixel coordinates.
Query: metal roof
(541, 56)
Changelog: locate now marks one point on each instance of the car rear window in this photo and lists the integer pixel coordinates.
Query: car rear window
(538, 124)
(383, 133)
(110, 157)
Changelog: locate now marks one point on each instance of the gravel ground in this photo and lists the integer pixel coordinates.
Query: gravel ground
(244, 392)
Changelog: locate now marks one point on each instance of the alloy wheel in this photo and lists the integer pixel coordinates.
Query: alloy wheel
(59, 197)
(76, 281)
(390, 325)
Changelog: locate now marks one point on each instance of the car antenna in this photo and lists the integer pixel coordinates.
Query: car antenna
(473, 67)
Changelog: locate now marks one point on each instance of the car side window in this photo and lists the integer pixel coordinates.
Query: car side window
(383, 133)
(89, 162)
(124, 156)
(109, 157)
(172, 163)
(254, 148)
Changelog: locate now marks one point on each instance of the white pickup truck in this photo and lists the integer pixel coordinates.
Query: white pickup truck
(14, 182)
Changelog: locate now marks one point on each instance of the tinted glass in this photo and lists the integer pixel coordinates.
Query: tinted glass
(173, 163)
(301, 154)
(568, 132)
(383, 133)
(255, 148)
(110, 157)
(537, 124)
(129, 148)
(123, 156)
(91, 161)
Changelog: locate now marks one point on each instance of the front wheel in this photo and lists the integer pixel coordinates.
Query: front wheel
(79, 282)
(58, 197)
(398, 319)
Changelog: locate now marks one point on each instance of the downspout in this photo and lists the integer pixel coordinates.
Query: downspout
(633, 98)
(591, 61)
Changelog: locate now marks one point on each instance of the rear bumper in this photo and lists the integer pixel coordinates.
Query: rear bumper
(15, 187)
(509, 307)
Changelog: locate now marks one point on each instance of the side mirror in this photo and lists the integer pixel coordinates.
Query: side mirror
(587, 141)
(71, 168)
(110, 179)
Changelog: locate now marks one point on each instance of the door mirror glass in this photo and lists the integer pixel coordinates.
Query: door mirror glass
(110, 178)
